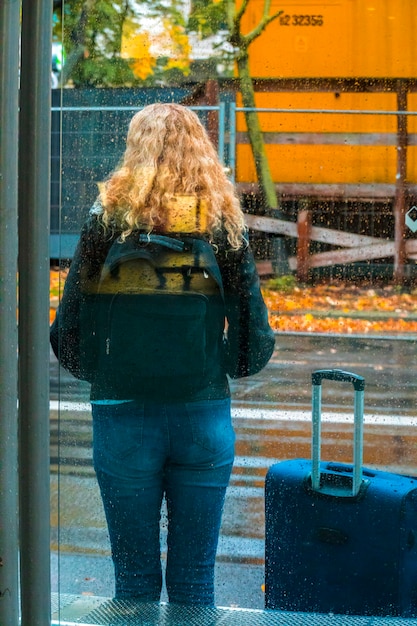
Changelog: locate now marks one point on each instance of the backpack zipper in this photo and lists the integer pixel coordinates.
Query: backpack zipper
(107, 341)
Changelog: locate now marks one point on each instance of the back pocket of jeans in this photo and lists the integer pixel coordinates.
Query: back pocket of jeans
(118, 430)
(211, 424)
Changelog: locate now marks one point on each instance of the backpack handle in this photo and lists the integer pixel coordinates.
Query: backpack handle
(133, 252)
(202, 251)
(163, 240)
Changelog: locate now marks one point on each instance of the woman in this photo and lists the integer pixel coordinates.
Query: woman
(146, 448)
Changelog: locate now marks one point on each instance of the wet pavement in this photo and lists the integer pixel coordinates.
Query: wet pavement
(387, 363)
(271, 413)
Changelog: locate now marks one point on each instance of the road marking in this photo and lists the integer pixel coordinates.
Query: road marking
(291, 415)
(282, 415)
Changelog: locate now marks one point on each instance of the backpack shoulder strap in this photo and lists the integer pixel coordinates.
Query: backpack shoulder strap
(205, 257)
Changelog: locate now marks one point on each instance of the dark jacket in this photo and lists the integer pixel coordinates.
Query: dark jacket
(250, 339)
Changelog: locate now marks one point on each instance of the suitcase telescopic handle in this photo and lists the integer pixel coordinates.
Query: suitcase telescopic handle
(348, 377)
(359, 390)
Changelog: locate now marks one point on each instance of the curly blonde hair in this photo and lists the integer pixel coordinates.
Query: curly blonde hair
(168, 153)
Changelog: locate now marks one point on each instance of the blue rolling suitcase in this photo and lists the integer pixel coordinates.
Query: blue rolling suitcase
(340, 538)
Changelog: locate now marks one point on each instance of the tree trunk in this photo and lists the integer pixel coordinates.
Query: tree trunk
(263, 172)
(78, 39)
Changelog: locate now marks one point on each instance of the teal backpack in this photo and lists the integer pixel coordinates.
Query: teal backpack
(154, 319)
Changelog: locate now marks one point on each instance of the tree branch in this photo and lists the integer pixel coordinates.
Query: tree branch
(239, 14)
(234, 19)
(266, 19)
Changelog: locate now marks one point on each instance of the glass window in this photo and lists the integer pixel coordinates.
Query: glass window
(313, 124)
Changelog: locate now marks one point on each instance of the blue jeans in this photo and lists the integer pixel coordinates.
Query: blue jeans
(143, 452)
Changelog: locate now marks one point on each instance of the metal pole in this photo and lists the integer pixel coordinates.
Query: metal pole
(34, 201)
(9, 72)
(221, 131)
(232, 141)
(400, 255)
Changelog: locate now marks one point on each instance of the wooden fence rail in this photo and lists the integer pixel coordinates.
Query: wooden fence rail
(352, 247)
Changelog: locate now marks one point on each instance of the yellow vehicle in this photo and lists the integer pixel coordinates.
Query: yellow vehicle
(335, 73)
